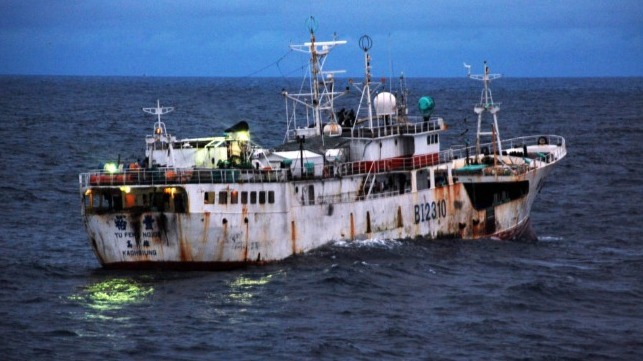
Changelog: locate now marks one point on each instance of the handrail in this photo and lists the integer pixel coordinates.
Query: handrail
(416, 127)
(433, 125)
(167, 176)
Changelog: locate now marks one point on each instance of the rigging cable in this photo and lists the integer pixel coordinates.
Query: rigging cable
(276, 62)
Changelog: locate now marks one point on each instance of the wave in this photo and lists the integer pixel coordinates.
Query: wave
(550, 238)
(368, 243)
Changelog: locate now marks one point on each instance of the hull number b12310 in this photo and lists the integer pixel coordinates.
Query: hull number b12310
(425, 212)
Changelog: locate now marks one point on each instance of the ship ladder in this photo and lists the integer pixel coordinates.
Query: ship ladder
(370, 175)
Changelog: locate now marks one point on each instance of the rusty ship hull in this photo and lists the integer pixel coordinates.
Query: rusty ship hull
(198, 235)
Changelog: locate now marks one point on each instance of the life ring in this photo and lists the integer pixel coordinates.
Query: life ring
(543, 141)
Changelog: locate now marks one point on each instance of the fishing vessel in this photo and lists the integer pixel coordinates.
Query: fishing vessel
(374, 171)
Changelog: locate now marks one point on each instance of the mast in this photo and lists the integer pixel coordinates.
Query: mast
(368, 86)
(365, 42)
(159, 126)
(322, 92)
(486, 105)
(160, 133)
(314, 72)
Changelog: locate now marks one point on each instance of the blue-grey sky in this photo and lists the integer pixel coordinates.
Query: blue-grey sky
(422, 38)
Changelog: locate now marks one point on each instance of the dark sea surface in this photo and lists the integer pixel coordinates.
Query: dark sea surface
(576, 294)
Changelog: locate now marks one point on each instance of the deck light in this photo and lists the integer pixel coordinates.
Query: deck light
(110, 167)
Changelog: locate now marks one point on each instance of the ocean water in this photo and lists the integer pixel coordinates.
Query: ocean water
(576, 294)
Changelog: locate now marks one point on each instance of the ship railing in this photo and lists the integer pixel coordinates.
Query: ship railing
(417, 126)
(412, 125)
(549, 149)
(552, 146)
(167, 176)
(447, 156)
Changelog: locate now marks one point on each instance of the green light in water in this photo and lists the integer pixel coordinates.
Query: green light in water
(113, 294)
(245, 282)
(244, 289)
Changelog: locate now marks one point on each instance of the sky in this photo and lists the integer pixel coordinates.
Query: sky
(239, 38)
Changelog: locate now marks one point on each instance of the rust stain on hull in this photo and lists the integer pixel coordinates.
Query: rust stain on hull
(293, 237)
(246, 231)
(206, 227)
(184, 245)
(452, 196)
(522, 231)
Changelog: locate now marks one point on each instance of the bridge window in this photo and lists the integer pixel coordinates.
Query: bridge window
(153, 199)
(423, 180)
(244, 197)
(208, 197)
(311, 194)
(441, 178)
(432, 139)
(253, 197)
(223, 197)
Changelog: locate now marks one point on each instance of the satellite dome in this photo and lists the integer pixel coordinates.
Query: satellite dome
(385, 103)
(426, 106)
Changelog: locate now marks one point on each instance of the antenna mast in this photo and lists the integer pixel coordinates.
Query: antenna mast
(486, 105)
(365, 42)
(159, 127)
(322, 92)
